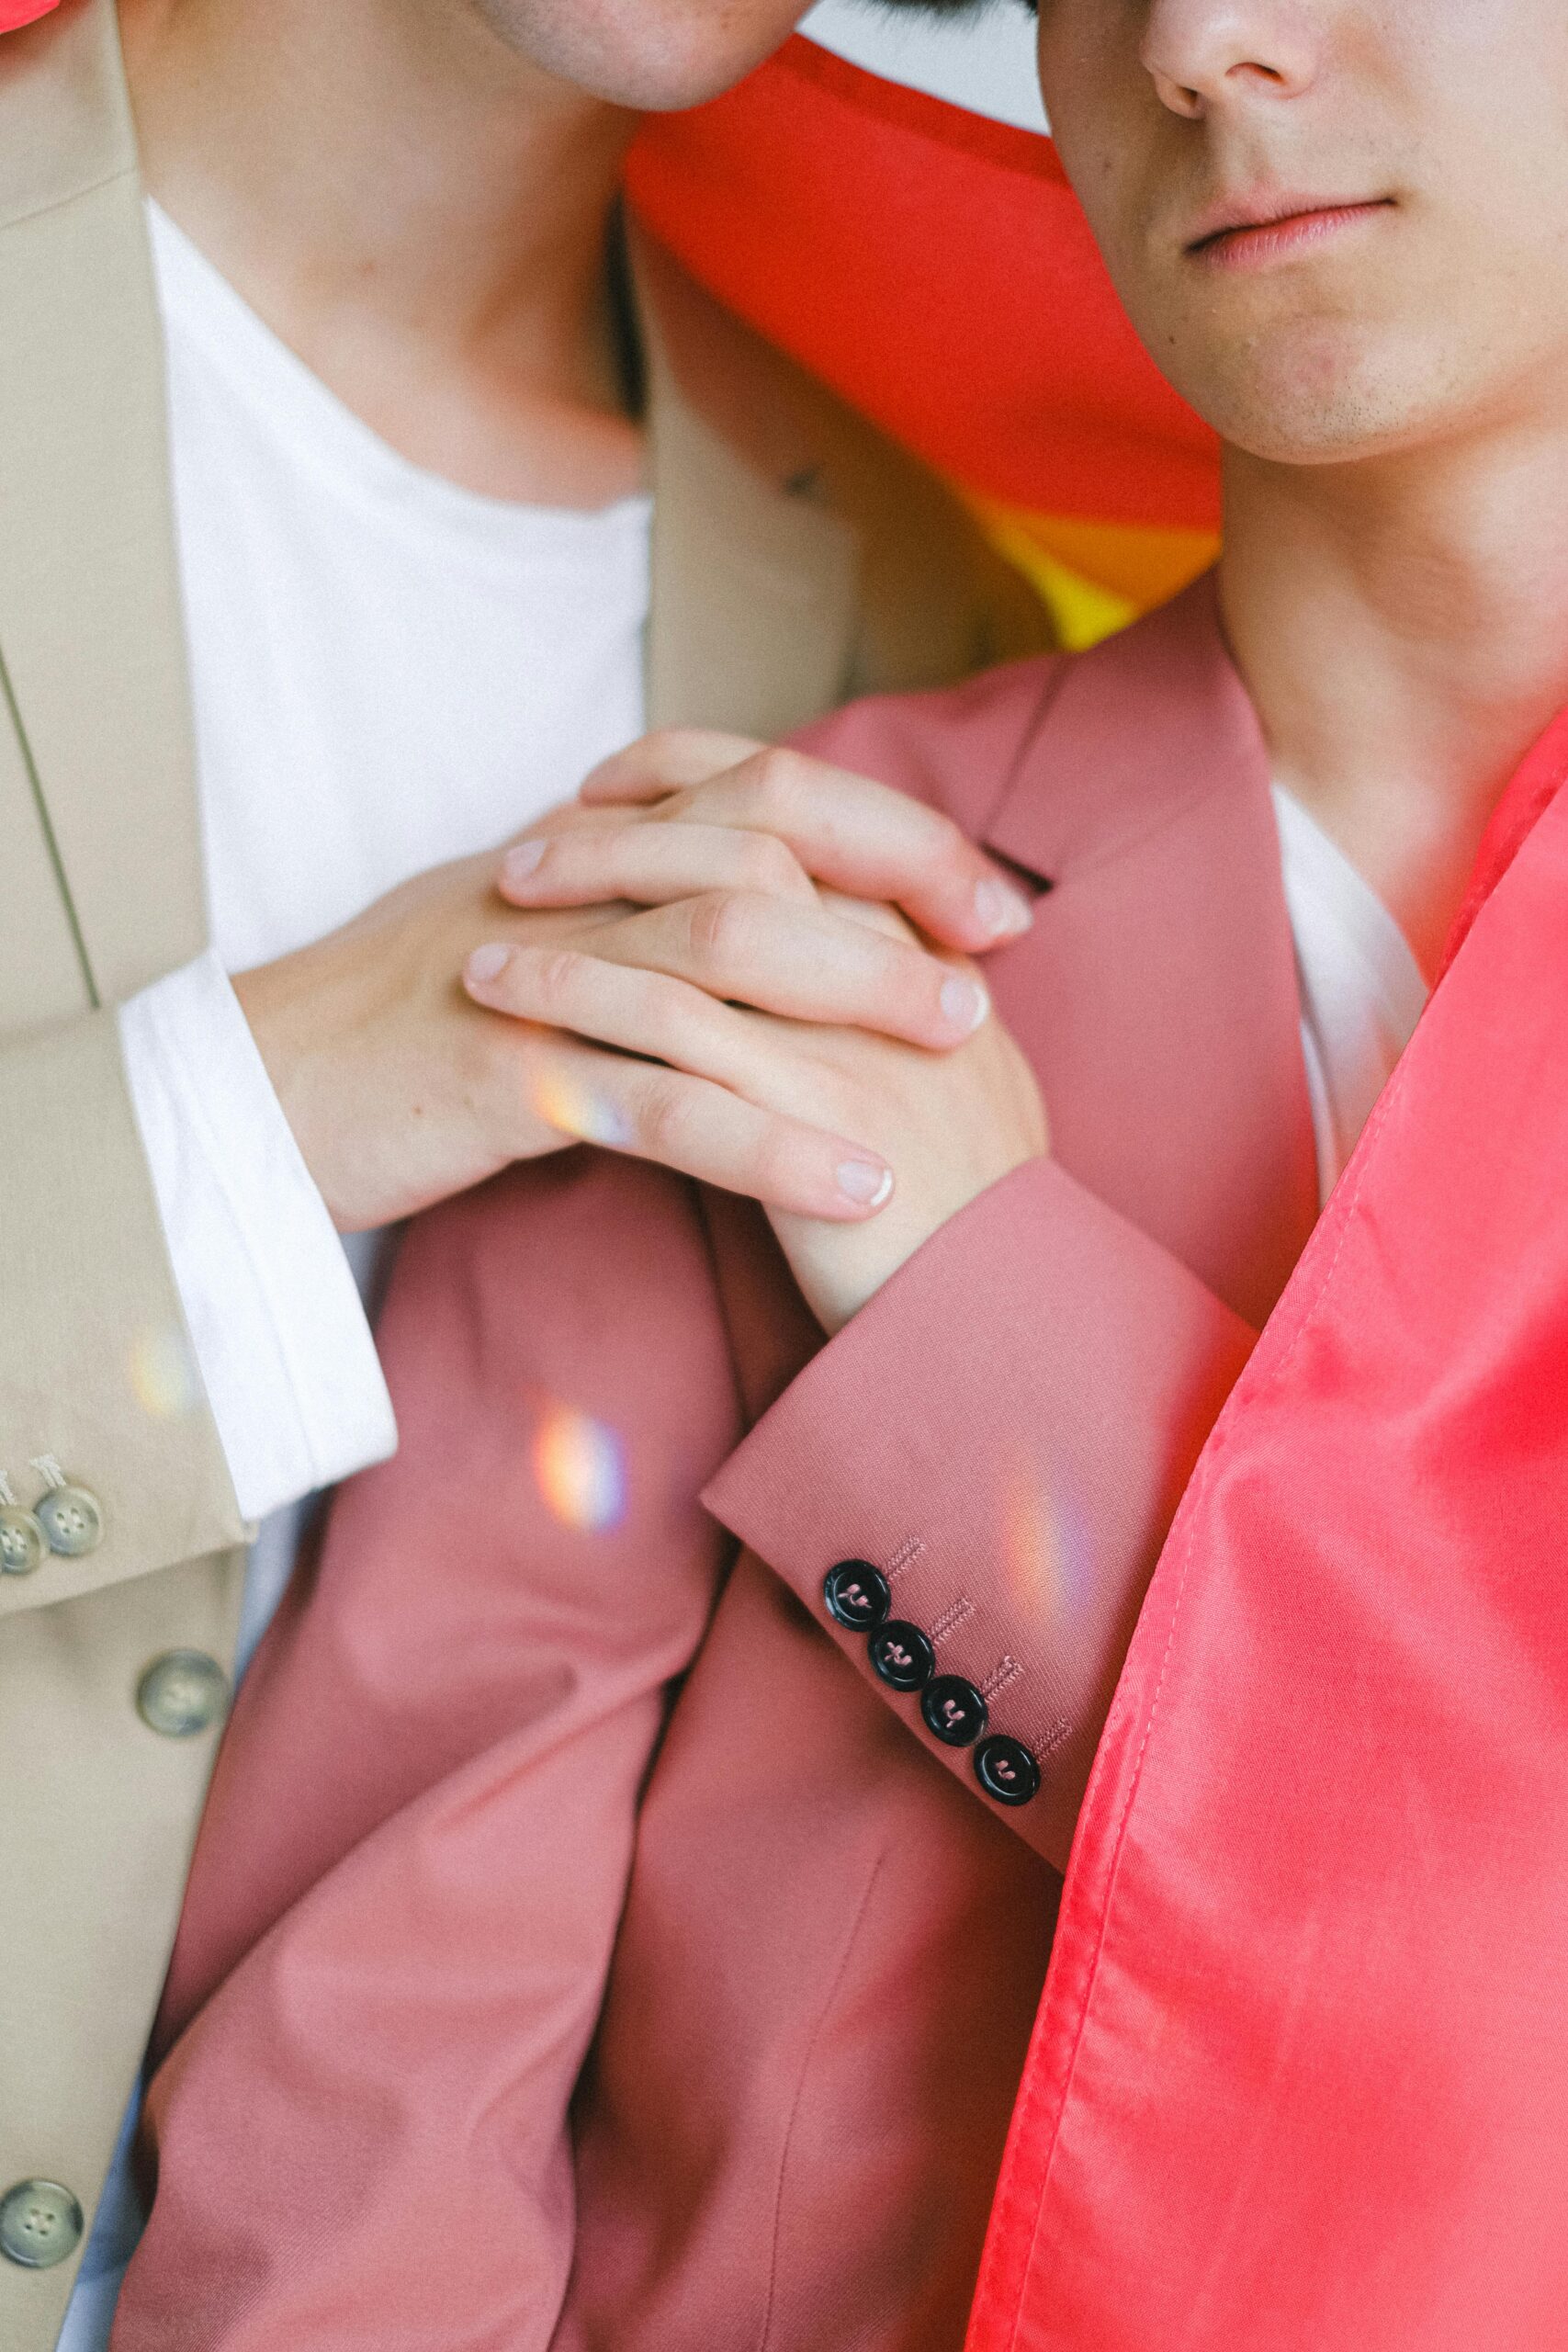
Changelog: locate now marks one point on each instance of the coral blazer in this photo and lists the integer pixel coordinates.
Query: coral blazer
(405, 1924)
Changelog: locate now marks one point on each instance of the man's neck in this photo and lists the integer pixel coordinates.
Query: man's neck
(1402, 626)
(421, 214)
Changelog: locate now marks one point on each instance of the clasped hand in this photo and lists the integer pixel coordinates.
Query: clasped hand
(802, 1044)
(704, 964)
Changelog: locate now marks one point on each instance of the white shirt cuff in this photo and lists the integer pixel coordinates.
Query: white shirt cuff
(280, 1336)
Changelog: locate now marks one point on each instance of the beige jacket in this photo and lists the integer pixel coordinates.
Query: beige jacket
(796, 559)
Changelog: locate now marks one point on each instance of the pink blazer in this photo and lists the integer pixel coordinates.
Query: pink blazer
(448, 1852)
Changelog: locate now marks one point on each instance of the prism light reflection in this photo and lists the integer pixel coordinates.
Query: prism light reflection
(1044, 1548)
(163, 1378)
(566, 1102)
(579, 1466)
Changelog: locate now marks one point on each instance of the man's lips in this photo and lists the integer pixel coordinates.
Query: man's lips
(1259, 230)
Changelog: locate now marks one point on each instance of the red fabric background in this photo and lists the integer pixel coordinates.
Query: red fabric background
(935, 268)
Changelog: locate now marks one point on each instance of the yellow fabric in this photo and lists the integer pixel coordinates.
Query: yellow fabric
(1094, 577)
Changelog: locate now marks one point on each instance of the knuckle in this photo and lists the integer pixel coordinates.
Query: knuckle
(564, 824)
(897, 973)
(664, 1118)
(942, 843)
(677, 752)
(720, 925)
(665, 1006)
(777, 1163)
(839, 1097)
(776, 775)
(557, 977)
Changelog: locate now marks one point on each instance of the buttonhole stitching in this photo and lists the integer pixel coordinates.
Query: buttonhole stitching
(950, 1618)
(909, 1549)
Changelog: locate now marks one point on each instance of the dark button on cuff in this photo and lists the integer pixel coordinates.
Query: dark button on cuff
(902, 1655)
(857, 1595)
(1006, 1769)
(953, 1710)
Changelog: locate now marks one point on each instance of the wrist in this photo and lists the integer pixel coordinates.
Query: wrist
(839, 1268)
(285, 1018)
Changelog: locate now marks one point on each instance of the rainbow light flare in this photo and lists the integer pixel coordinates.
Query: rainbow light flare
(579, 1466)
(1044, 1548)
(564, 1101)
(163, 1378)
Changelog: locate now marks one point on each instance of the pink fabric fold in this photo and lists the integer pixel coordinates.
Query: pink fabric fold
(1300, 2072)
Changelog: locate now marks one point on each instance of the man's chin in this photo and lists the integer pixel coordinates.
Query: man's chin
(651, 56)
(1296, 410)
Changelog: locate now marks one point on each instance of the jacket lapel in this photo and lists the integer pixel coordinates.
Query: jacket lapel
(754, 589)
(1157, 991)
(90, 628)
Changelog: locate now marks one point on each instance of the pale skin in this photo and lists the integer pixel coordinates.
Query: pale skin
(1390, 384)
(415, 193)
(1338, 228)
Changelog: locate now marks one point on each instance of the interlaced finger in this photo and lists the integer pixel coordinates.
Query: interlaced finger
(622, 1005)
(702, 1130)
(648, 865)
(801, 961)
(670, 759)
(861, 837)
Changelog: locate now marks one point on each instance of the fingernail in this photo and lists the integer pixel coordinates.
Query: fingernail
(1004, 910)
(522, 859)
(487, 964)
(965, 1004)
(867, 1181)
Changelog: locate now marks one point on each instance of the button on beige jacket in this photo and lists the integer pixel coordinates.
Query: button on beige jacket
(796, 559)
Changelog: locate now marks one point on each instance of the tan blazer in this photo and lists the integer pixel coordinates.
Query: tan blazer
(796, 559)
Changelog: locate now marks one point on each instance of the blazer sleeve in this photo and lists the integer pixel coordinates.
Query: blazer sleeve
(1002, 1434)
(96, 1375)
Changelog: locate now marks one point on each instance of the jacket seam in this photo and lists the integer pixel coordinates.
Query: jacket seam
(61, 203)
(823, 2014)
(51, 839)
